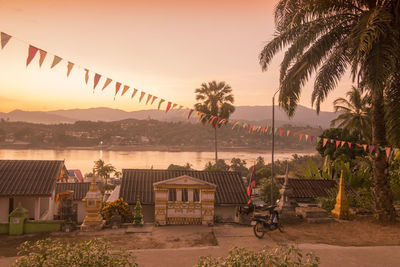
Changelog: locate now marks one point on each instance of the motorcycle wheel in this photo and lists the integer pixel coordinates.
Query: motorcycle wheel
(280, 227)
(258, 230)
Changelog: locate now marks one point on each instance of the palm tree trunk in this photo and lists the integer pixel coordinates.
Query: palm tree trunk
(215, 138)
(384, 210)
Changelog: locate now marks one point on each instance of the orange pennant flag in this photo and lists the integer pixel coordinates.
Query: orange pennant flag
(301, 136)
(387, 152)
(4, 39)
(154, 99)
(117, 87)
(288, 132)
(141, 96)
(86, 76)
(180, 107)
(342, 143)
(174, 106)
(56, 60)
(365, 147)
(31, 54)
(306, 136)
(108, 81)
(96, 80)
(148, 98)
(324, 141)
(42, 54)
(69, 66)
(126, 88)
(134, 92)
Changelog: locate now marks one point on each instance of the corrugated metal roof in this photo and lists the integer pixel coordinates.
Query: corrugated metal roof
(29, 177)
(80, 189)
(139, 182)
(312, 188)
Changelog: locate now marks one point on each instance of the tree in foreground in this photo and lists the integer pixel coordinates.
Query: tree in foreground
(355, 113)
(104, 170)
(327, 38)
(279, 256)
(49, 252)
(215, 99)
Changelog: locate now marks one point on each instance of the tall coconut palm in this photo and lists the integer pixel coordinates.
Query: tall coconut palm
(104, 170)
(355, 113)
(215, 99)
(328, 37)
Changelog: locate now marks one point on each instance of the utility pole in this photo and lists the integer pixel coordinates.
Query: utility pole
(273, 146)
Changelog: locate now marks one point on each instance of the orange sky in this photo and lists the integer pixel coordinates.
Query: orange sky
(166, 48)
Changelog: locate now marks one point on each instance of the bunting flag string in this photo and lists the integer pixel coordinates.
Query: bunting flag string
(32, 51)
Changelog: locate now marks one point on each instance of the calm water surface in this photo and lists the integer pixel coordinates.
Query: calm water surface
(83, 159)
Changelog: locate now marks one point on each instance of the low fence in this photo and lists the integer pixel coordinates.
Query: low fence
(41, 226)
(4, 228)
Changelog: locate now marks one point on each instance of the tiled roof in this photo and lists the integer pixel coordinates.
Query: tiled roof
(312, 188)
(230, 188)
(29, 177)
(80, 189)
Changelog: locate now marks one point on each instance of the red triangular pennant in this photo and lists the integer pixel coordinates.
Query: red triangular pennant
(337, 143)
(31, 54)
(96, 80)
(349, 144)
(4, 39)
(117, 87)
(168, 106)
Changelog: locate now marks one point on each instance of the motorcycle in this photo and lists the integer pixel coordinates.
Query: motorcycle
(266, 223)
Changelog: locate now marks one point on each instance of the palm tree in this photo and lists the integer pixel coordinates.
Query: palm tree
(328, 37)
(215, 99)
(104, 170)
(355, 113)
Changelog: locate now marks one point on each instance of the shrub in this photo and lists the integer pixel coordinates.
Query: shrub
(48, 252)
(119, 206)
(279, 256)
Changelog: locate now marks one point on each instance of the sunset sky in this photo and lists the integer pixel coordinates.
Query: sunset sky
(165, 48)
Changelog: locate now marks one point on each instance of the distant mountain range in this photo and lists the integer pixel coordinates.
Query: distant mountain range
(262, 114)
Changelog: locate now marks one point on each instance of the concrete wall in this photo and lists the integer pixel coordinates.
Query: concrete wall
(4, 209)
(28, 203)
(147, 211)
(226, 213)
(41, 226)
(4, 228)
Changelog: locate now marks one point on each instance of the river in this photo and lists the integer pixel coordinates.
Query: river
(83, 159)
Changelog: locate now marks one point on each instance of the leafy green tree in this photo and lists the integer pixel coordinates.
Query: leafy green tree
(173, 167)
(215, 99)
(49, 252)
(239, 165)
(104, 170)
(355, 113)
(219, 166)
(327, 38)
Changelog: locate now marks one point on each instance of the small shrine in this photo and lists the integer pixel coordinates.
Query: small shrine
(341, 210)
(285, 207)
(184, 200)
(92, 202)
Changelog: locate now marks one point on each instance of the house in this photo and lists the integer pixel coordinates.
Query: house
(307, 190)
(79, 192)
(31, 183)
(228, 195)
